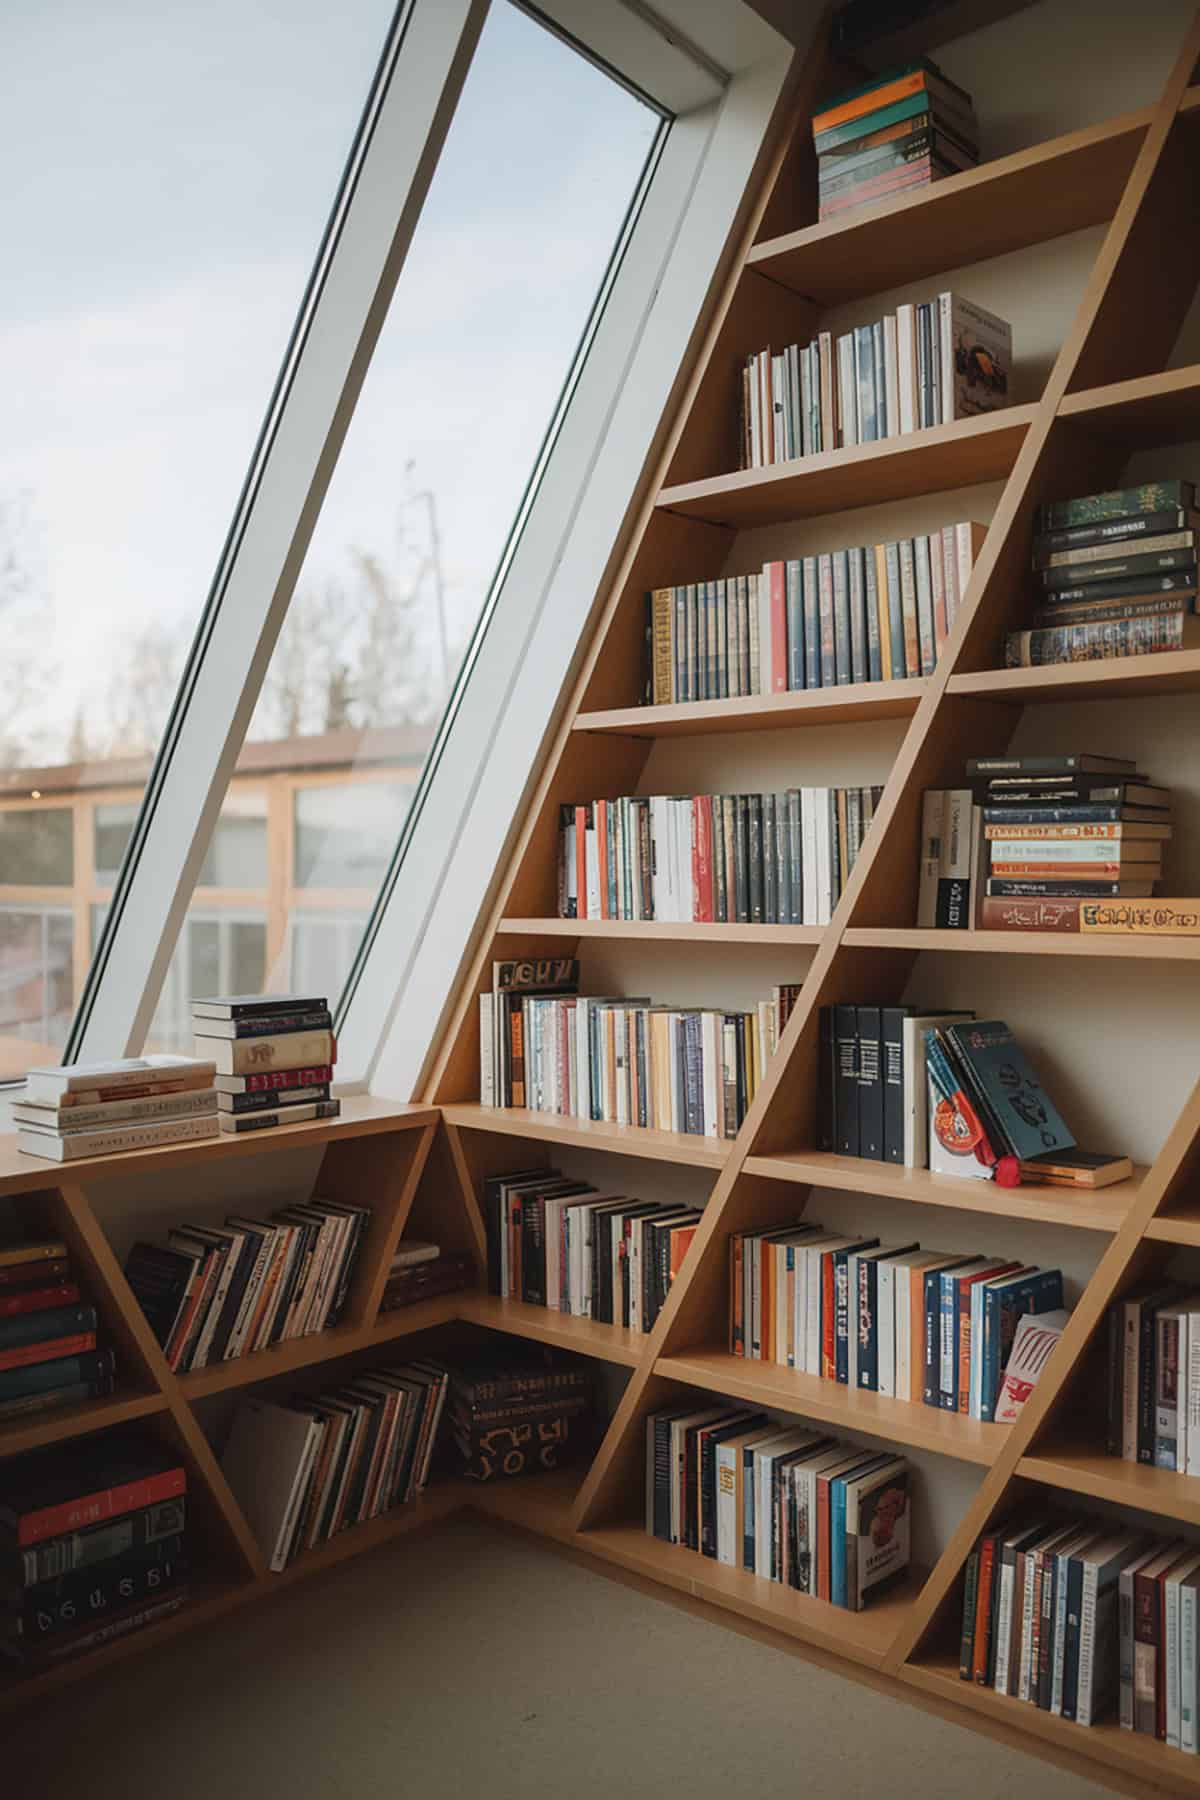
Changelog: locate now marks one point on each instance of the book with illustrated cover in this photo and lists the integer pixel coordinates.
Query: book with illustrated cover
(1003, 1076)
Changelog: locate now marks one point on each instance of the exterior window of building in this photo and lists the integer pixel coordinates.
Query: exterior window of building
(36, 847)
(37, 956)
(345, 832)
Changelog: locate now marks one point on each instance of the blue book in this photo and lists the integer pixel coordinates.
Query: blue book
(998, 1067)
(748, 1486)
(947, 1340)
(44, 1326)
(1004, 1301)
(62, 1371)
(841, 1306)
(837, 1522)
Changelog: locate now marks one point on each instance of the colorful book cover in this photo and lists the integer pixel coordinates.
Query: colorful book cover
(1011, 1087)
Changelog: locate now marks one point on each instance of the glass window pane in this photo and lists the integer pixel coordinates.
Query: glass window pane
(508, 258)
(37, 847)
(177, 165)
(112, 828)
(36, 956)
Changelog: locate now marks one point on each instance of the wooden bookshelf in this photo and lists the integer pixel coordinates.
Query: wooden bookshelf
(664, 931)
(852, 704)
(1028, 943)
(592, 1134)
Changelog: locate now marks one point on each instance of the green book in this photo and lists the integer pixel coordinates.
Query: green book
(1152, 496)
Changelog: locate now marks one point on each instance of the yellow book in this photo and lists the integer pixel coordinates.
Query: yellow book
(1140, 918)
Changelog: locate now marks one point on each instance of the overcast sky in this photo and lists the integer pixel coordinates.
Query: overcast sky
(170, 171)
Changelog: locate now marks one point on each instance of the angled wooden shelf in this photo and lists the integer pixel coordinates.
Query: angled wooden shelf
(666, 931)
(1180, 1225)
(875, 1415)
(1138, 1759)
(851, 704)
(1104, 1209)
(59, 1423)
(586, 1337)
(591, 1134)
(1122, 678)
(933, 461)
(1083, 1469)
(319, 1347)
(1026, 943)
(1009, 203)
(1145, 411)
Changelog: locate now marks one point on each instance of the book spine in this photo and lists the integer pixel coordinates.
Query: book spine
(72, 1515)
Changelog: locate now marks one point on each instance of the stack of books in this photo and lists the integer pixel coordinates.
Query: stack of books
(1153, 1380)
(928, 363)
(752, 859)
(48, 1347)
(308, 1468)
(899, 132)
(100, 1109)
(423, 1271)
(624, 1060)
(913, 1324)
(518, 1411)
(1082, 1617)
(93, 1545)
(795, 1506)
(274, 1057)
(873, 612)
(553, 1241)
(211, 1294)
(1117, 577)
(1037, 842)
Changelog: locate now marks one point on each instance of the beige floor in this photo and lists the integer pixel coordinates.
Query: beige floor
(470, 1661)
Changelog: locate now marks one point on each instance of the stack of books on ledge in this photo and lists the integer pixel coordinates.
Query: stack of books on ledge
(927, 364)
(913, 1324)
(899, 132)
(93, 1545)
(795, 1506)
(620, 1059)
(556, 1242)
(1117, 574)
(312, 1466)
(874, 612)
(274, 1056)
(516, 1409)
(757, 859)
(1083, 1617)
(422, 1272)
(101, 1109)
(215, 1293)
(48, 1345)
(1047, 843)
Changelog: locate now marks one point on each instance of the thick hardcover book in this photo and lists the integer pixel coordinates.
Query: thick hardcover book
(92, 1594)
(1087, 576)
(48, 1493)
(1119, 503)
(19, 1387)
(264, 1025)
(847, 1078)
(891, 1040)
(19, 1330)
(870, 1084)
(859, 655)
(1047, 544)
(1004, 1076)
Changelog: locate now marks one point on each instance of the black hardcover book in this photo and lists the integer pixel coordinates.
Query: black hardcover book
(812, 622)
(708, 1476)
(265, 1024)
(1117, 568)
(1182, 581)
(51, 1477)
(1114, 531)
(533, 1250)
(1070, 815)
(770, 869)
(131, 1534)
(846, 1086)
(360, 1218)
(1115, 1384)
(891, 1038)
(741, 873)
(826, 1081)
(251, 1006)
(90, 1594)
(659, 1449)
(966, 1644)
(1150, 1306)
(895, 606)
(859, 665)
(870, 1083)
(843, 657)
(826, 624)
(42, 1327)
(795, 859)
(1052, 890)
(160, 1279)
(721, 872)
(754, 857)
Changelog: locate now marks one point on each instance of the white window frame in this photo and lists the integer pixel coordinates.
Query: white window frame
(556, 555)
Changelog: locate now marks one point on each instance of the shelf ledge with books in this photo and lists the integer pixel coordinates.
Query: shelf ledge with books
(1164, 672)
(319, 1347)
(930, 461)
(1026, 943)
(666, 931)
(17, 1435)
(1124, 1753)
(769, 1384)
(852, 703)
(591, 1134)
(1082, 1470)
(546, 1325)
(1064, 184)
(863, 1637)
(1101, 1209)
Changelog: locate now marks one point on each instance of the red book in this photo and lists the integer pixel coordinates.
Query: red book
(702, 857)
(581, 813)
(270, 1079)
(602, 853)
(828, 1321)
(26, 1300)
(1023, 913)
(779, 645)
(26, 1354)
(983, 1607)
(92, 1509)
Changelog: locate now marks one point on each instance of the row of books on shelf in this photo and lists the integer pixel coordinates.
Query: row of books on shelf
(214, 1293)
(312, 1466)
(50, 1350)
(901, 132)
(1040, 843)
(925, 364)
(1116, 576)
(793, 1505)
(1153, 1377)
(1082, 1617)
(871, 612)
(94, 1545)
(621, 1059)
(560, 1243)
(760, 859)
(963, 1333)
